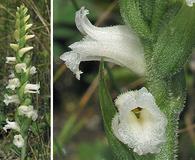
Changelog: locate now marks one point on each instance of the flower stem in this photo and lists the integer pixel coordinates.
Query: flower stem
(170, 96)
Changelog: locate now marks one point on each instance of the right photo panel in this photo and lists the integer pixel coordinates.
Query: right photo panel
(124, 80)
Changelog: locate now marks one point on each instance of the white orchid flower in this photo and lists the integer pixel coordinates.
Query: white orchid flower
(28, 111)
(11, 125)
(13, 84)
(117, 44)
(11, 99)
(18, 141)
(139, 122)
(190, 3)
(10, 60)
(31, 88)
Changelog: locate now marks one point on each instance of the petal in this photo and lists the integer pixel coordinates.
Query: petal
(123, 53)
(116, 33)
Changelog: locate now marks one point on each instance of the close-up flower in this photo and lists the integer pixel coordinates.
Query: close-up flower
(117, 44)
(139, 122)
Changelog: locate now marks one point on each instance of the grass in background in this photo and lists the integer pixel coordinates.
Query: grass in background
(39, 140)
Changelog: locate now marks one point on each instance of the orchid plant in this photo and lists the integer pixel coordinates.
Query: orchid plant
(155, 42)
(19, 88)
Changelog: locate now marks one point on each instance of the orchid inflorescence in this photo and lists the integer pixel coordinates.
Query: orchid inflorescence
(19, 88)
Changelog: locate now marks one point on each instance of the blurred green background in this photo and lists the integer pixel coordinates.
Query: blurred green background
(39, 135)
(78, 128)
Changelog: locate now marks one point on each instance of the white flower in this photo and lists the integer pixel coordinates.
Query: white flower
(28, 111)
(139, 122)
(33, 70)
(18, 141)
(21, 67)
(10, 60)
(13, 84)
(11, 125)
(32, 88)
(117, 44)
(190, 2)
(11, 99)
(22, 51)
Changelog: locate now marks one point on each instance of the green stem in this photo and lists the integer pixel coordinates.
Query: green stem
(170, 96)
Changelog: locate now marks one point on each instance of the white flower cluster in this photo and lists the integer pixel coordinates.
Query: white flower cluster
(17, 86)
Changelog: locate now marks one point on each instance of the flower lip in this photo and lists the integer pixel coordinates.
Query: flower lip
(139, 122)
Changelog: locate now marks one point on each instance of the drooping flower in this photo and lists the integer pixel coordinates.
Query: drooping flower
(18, 141)
(21, 67)
(10, 60)
(28, 111)
(11, 125)
(13, 84)
(117, 44)
(11, 99)
(32, 88)
(139, 122)
(190, 2)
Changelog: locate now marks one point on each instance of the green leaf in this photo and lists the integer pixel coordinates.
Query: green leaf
(132, 15)
(108, 111)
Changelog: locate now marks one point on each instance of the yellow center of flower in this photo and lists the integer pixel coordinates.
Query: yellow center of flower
(137, 112)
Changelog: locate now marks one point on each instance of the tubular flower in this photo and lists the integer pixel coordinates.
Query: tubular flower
(10, 60)
(139, 123)
(11, 99)
(190, 2)
(18, 141)
(13, 83)
(32, 88)
(28, 111)
(11, 125)
(116, 44)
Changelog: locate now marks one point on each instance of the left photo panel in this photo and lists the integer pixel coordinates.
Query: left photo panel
(25, 80)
